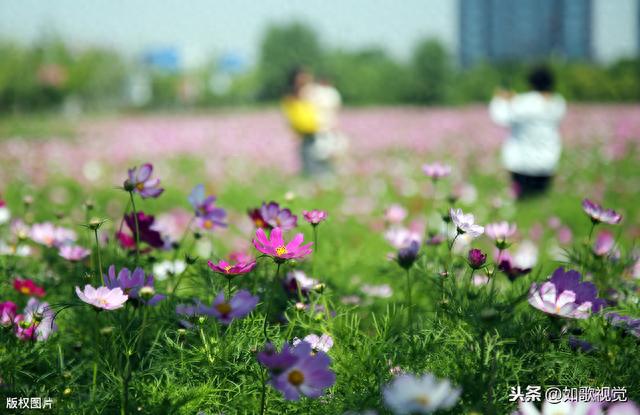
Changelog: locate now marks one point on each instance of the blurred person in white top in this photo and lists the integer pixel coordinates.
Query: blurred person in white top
(532, 151)
(330, 142)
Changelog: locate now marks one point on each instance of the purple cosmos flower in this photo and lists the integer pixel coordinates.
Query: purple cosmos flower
(408, 394)
(604, 243)
(140, 182)
(277, 362)
(575, 343)
(147, 234)
(564, 295)
(436, 170)
(132, 283)
(407, 255)
(35, 322)
(190, 312)
(102, 298)
(73, 253)
(315, 216)
(297, 371)
(239, 306)
(513, 268)
(598, 214)
(208, 215)
(225, 268)
(297, 279)
(630, 324)
(400, 237)
(465, 223)
(476, 258)
(500, 232)
(272, 216)
(318, 343)
(8, 311)
(276, 248)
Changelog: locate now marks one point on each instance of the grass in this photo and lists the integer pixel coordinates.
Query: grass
(485, 342)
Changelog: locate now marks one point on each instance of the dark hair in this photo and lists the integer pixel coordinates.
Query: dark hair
(292, 76)
(541, 79)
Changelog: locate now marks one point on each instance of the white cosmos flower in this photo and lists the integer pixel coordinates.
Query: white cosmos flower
(465, 223)
(407, 394)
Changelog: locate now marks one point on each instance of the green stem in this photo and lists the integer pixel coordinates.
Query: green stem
(95, 232)
(184, 236)
(409, 302)
(593, 226)
(135, 219)
(228, 289)
(268, 304)
(263, 395)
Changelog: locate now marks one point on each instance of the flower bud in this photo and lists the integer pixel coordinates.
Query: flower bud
(408, 255)
(319, 288)
(476, 258)
(128, 186)
(146, 293)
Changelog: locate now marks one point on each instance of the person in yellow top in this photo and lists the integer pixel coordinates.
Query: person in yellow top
(303, 117)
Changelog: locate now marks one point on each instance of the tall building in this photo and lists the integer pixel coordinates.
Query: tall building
(503, 30)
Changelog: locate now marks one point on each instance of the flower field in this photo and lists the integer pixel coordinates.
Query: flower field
(177, 264)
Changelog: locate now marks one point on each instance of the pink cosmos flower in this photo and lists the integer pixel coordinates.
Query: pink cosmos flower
(500, 232)
(318, 343)
(599, 214)
(140, 182)
(395, 213)
(48, 234)
(436, 170)
(604, 243)
(36, 321)
(73, 253)
(103, 298)
(276, 247)
(28, 287)
(223, 267)
(315, 216)
(5, 213)
(465, 223)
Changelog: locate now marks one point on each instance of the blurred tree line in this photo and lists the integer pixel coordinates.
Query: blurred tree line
(50, 74)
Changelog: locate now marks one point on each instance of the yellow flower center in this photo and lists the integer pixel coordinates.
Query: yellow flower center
(208, 224)
(296, 377)
(25, 290)
(422, 400)
(281, 250)
(227, 268)
(140, 186)
(223, 308)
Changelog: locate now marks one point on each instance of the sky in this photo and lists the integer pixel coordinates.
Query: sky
(201, 27)
(204, 26)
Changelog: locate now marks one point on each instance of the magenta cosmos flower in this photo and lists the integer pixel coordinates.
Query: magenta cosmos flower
(8, 312)
(298, 371)
(134, 284)
(102, 298)
(73, 253)
(276, 247)
(237, 307)
(436, 170)
(271, 215)
(564, 295)
(140, 182)
(28, 287)
(225, 268)
(599, 214)
(465, 223)
(148, 233)
(315, 216)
